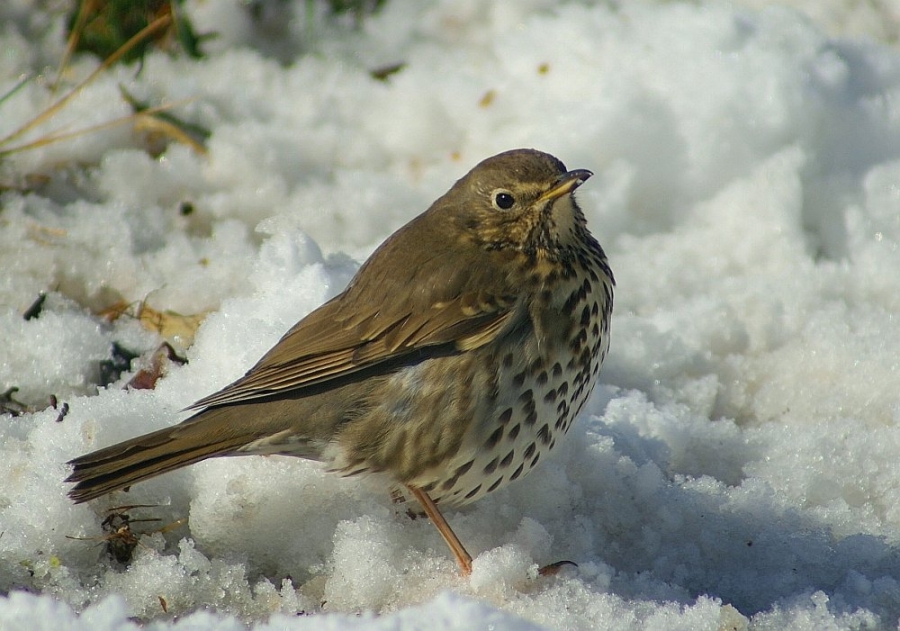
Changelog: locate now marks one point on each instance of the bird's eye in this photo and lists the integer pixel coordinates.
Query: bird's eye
(502, 199)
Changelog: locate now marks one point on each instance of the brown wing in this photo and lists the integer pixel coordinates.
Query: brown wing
(353, 350)
(389, 311)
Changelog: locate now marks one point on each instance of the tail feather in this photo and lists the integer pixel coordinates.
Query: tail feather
(145, 457)
(285, 424)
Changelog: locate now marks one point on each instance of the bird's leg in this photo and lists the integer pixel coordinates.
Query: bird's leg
(463, 558)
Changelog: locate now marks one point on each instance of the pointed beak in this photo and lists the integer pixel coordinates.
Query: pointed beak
(567, 183)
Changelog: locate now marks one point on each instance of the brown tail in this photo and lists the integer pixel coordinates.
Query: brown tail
(147, 456)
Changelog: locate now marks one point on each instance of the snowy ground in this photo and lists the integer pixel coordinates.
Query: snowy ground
(738, 466)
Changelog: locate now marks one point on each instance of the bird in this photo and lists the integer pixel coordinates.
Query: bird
(451, 364)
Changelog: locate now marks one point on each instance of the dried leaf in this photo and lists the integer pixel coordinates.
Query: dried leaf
(146, 378)
(174, 327)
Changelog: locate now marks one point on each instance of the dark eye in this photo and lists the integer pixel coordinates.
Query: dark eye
(503, 200)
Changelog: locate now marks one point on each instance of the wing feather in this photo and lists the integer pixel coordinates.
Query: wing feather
(312, 362)
(404, 300)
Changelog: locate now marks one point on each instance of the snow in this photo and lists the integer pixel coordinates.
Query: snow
(736, 467)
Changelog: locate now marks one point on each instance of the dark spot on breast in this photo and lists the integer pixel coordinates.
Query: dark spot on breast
(491, 466)
(526, 397)
(494, 438)
(585, 316)
(503, 419)
(543, 378)
(529, 407)
(529, 451)
(550, 397)
(537, 457)
(519, 379)
(463, 469)
(492, 487)
(557, 369)
(507, 459)
(586, 362)
(473, 492)
(449, 483)
(517, 472)
(531, 419)
(580, 339)
(513, 432)
(577, 394)
(544, 434)
(578, 380)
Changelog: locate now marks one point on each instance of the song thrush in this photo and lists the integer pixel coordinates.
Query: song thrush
(453, 361)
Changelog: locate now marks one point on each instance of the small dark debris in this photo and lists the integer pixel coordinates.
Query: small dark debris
(63, 411)
(382, 73)
(413, 515)
(120, 361)
(36, 307)
(554, 568)
(8, 405)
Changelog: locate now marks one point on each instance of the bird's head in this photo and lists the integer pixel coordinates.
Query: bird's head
(519, 200)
